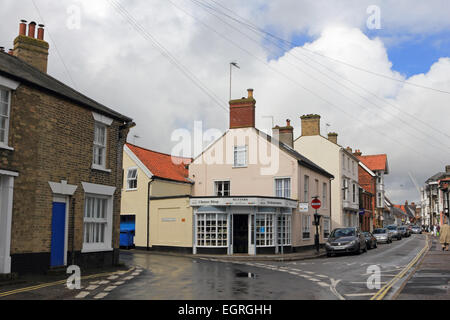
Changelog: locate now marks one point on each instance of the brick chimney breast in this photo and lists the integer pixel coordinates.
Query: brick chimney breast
(242, 112)
(310, 125)
(332, 136)
(29, 49)
(285, 134)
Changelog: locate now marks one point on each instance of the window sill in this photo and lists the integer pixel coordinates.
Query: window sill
(3, 146)
(99, 168)
(98, 249)
(237, 167)
(135, 189)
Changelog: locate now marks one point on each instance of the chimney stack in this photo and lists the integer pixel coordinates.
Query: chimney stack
(310, 125)
(357, 153)
(30, 49)
(332, 136)
(447, 169)
(242, 112)
(349, 149)
(285, 134)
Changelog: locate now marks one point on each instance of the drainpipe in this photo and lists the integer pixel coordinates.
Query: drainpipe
(72, 202)
(148, 213)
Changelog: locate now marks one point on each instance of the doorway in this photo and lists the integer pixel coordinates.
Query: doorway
(240, 233)
(58, 234)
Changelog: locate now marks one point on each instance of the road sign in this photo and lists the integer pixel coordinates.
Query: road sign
(315, 203)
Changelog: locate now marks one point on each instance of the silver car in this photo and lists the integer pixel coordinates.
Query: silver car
(382, 235)
(395, 231)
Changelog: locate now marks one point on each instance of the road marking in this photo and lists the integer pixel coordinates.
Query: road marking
(92, 287)
(364, 282)
(118, 283)
(359, 294)
(128, 278)
(110, 288)
(112, 277)
(334, 283)
(321, 275)
(323, 284)
(315, 280)
(82, 294)
(101, 295)
(103, 282)
(383, 291)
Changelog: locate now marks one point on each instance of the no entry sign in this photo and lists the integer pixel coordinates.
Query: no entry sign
(315, 203)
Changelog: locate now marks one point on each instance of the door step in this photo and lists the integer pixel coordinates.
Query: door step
(57, 270)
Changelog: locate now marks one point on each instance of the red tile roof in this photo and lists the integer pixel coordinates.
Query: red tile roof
(375, 162)
(163, 165)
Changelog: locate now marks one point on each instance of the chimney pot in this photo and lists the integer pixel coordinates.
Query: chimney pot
(250, 93)
(23, 27)
(32, 29)
(11, 51)
(2, 49)
(288, 123)
(41, 32)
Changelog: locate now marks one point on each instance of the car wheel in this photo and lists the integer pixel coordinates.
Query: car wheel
(365, 248)
(358, 252)
(328, 254)
(376, 245)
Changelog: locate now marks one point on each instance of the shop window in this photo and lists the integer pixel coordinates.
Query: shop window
(212, 230)
(264, 230)
(284, 230)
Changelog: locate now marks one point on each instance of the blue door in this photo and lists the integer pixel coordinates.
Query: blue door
(58, 234)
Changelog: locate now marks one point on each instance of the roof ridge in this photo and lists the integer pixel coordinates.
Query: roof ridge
(166, 154)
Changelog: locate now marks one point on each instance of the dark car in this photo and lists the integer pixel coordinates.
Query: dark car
(345, 240)
(403, 231)
(371, 241)
(395, 232)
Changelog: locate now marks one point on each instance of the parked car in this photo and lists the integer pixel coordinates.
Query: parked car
(395, 232)
(371, 241)
(403, 230)
(345, 240)
(416, 230)
(382, 235)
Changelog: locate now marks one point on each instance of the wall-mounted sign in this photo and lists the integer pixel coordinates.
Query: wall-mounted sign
(168, 219)
(303, 206)
(243, 201)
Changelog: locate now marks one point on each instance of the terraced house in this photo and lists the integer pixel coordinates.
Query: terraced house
(60, 166)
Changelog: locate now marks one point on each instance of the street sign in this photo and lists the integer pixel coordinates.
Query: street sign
(303, 206)
(315, 203)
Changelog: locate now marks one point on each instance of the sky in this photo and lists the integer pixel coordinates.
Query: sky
(378, 72)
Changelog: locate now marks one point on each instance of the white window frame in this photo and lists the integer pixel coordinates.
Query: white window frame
(236, 151)
(354, 193)
(266, 238)
(105, 192)
(326, 227)
(222, 182)
(306, 188)
(206, 233)
(306, 226)
(324, 194)
(132, 179)
(104, 147)
(345, 195)
(285, 191)
(284, 230)
(4, 144)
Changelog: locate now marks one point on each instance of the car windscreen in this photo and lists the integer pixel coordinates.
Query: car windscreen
(344, 232)
(378, 231)
(367, 234)
(392, 227)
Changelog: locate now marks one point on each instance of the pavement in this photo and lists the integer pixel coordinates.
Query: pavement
(295, 256)
(431, 278)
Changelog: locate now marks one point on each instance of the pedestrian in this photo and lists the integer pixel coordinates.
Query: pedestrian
(438, 229)
(434, 230)
(444, 239)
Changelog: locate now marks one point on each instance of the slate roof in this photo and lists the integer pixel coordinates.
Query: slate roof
(161, 165)
(302, 160)
(16, 69)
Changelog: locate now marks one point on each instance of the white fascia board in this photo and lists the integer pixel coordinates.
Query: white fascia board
(138, 162)
(9, 173)
(62, 188)
(8, 83)
(367, 169)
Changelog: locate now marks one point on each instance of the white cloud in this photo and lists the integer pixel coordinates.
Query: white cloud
(114, 64)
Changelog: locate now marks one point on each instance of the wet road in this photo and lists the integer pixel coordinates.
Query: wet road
(342, 277)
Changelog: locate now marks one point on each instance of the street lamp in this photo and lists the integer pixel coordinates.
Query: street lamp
(316, 205)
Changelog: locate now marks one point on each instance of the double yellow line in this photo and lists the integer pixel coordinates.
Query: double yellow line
(49, 284)
(383, 291)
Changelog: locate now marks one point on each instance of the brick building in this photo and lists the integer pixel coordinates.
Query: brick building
(367, 183)
(60, 166)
